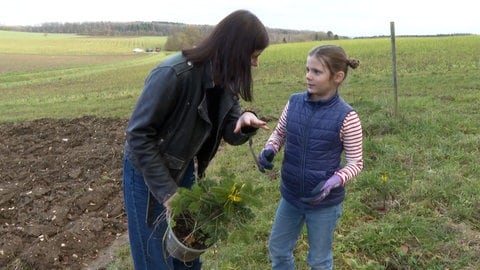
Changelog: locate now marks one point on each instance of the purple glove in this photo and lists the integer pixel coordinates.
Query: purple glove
(265, 158)
(322, 190)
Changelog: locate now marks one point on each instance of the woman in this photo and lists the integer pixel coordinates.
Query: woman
(190, 102)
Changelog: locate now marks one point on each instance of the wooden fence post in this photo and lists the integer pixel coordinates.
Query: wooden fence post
(394, 68)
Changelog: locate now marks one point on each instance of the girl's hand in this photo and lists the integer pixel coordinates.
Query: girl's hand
(249, 119)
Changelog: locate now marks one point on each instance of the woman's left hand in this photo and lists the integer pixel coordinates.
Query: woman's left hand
(250, 119)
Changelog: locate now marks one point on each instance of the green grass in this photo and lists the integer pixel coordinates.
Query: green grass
(77, 75)
(70, 44)
(427, 151)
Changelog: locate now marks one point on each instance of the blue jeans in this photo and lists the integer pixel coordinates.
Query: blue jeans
(147, 243)
(287, 226)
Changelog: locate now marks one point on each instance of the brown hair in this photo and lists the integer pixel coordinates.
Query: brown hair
(230, 47)
(334, 58)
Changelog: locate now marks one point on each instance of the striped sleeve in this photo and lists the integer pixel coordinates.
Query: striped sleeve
(351, 135)
(277, 138)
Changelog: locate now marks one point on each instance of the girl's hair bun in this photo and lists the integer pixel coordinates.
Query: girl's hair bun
(353, 63)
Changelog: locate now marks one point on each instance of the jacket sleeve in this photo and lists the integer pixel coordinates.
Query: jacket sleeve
(145, 131)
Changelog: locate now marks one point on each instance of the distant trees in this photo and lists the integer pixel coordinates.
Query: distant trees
(285, 36)
(107, 28)
(186, 38)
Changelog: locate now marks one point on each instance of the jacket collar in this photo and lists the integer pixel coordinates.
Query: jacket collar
(207, 80)
(325, 102)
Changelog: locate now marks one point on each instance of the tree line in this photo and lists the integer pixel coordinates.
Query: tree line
(103, 28)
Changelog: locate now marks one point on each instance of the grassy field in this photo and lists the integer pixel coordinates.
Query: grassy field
(415, 205)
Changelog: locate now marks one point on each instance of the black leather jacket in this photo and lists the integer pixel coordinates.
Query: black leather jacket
(170, 124)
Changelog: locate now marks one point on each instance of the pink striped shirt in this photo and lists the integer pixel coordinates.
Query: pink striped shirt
(350, 135)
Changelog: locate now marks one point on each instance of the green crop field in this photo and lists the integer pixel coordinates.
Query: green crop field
(416, 204)
(60, 75)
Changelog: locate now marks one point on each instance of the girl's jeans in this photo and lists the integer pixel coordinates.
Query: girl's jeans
(147, 243)
(287, 226)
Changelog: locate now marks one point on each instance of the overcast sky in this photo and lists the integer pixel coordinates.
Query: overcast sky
(351, 18)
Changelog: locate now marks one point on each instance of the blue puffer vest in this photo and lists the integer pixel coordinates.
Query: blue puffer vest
(313, 148)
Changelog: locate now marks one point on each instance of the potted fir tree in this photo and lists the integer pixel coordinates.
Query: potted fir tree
(208, 212)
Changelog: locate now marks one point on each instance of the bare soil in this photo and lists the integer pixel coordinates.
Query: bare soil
(61, 202)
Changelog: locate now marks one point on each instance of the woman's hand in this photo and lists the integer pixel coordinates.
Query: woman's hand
(166, 203)
(249, 119)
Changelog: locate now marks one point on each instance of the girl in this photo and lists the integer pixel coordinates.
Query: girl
(315, 127)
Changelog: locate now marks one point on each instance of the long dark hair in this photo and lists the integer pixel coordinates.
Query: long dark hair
(230, 47)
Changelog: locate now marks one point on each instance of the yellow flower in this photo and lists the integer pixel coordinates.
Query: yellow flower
(384, 178)
(234, 195)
